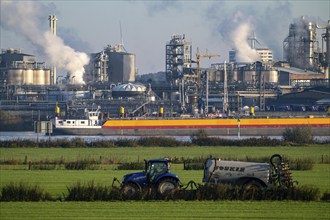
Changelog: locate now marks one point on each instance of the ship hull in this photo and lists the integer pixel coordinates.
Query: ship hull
(213, 127)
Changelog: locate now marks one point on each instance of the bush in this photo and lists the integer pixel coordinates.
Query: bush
(326, 196)
(23, 192)
(82, 165)
(131, 166)
(126, 143)
(88, 192)
(161, 142)
(298, 135)
(302, 164)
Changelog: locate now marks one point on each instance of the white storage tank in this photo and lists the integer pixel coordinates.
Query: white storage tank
(38, 77)
(15, 76)
(121, 67)
(249, 76)
(27, 77)
(47, 77)
(271, 76)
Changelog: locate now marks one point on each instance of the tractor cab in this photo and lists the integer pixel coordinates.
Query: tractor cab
(155, 168)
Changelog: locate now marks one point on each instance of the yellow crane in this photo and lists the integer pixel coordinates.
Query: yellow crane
(198, 57)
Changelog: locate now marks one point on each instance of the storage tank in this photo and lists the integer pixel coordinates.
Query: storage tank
(47, 77)
(271, 76)
(15, 76)
(235, 75)
(38, 77)
(128, 90)
(249, 76)
(121, 67)
(27, 77)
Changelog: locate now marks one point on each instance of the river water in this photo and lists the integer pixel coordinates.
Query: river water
(30, 135)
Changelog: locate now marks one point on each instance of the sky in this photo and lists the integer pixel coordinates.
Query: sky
(89, 26)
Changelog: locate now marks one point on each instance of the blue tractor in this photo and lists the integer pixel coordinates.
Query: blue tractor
(156, 176)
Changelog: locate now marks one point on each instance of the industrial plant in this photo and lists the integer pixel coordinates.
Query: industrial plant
(299, 82)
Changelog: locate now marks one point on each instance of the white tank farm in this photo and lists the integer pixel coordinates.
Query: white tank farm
(269, 76)
(22, 76)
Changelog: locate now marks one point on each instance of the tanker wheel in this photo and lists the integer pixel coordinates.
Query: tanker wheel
(130, 190)
(253, 185)
(167, 185)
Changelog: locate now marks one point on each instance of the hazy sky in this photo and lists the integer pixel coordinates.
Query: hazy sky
(88, 26)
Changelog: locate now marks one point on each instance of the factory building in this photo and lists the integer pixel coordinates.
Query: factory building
(178, 57)
(17, 68)
(266, 55)
(113, 64)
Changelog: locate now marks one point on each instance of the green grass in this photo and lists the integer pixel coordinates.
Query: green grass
(56, 181)
(133, 154)
(319, 177)
(165, 210)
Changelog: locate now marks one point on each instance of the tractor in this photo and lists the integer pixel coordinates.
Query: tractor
(250, 175)
(156, 176)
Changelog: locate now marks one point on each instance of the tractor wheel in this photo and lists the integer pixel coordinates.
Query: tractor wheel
(167, 185)
(130, 190)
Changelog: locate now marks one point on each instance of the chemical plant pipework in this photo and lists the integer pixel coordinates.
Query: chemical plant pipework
(300, 47)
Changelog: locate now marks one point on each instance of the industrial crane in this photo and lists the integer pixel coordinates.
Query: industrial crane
(198, 57)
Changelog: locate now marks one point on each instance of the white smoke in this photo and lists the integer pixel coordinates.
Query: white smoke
(24, 17)
(65, 57)
(239, 38)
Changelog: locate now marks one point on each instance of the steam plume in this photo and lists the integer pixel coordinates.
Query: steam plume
(239, 37)
(26, 18)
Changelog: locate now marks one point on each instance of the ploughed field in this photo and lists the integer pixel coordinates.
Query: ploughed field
(16, 167)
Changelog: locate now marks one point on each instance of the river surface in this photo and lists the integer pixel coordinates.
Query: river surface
(30, 135)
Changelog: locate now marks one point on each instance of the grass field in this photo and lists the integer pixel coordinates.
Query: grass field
(140, 153)
(165, 210)
(56, 181)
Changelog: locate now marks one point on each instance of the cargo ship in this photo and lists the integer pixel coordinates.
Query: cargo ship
(91, 125)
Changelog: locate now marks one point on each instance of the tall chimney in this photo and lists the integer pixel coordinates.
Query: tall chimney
(52, 25)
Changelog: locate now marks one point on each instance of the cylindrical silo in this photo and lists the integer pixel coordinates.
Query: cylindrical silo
(38, 77)
(47, 76)
(122, 67)
(272, 76)
(27, 77)
(249, 76)
(129, 67)
(235, 75)
(15, 76)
